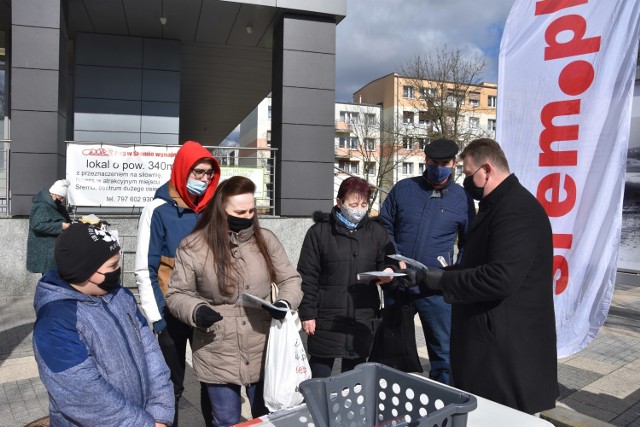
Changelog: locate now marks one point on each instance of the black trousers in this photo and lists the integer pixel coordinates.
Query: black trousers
(321, 367)
(173, 344)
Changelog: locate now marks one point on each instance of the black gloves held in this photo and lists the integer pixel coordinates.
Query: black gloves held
(421, 282)
(277, 314)
(206, 316)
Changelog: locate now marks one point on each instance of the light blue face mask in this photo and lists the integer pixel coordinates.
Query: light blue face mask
(196, 187)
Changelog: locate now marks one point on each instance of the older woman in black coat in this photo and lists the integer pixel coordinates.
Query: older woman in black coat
(339, 312)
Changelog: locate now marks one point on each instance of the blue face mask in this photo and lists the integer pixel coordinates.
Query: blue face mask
(196, 187)
(438, 174)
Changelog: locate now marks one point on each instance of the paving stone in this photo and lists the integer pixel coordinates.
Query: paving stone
(589, 410)
(596, 366)
(620, 383)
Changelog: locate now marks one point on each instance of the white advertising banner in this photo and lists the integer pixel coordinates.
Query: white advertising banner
(565, 81)
(110, 175)
(128, 176)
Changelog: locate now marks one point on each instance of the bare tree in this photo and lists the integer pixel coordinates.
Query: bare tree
(443, 80)
(381, 149)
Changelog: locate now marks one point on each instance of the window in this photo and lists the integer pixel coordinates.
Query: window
(421, 168)
(423, 118)
(370, 119)
(407, 143)
(268, 138)
(370, 144)
(407, 92)
(349, 117)
(407, 117)
(491, 101)
(422, 143)
(492, 124)
(348, 166)
(474, 99)
(407, 168)
(4, 87)
(428, 92)
(474, 122)
(455, 97)
(269, 112)
(348, 142)
(370, 168)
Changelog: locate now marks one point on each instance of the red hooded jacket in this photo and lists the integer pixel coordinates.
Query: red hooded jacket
(189, 155)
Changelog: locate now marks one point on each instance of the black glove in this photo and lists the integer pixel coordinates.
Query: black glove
(206, 316)
(277, 314)
(422, 281)
(406, 284)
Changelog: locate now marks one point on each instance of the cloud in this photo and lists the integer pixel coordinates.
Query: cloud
(378, 37)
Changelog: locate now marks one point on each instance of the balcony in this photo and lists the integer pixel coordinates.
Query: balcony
(342, 126)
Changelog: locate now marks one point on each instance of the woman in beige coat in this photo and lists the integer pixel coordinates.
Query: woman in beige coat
(226, 255)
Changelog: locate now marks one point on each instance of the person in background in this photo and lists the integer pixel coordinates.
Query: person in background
(164, 222)
(97, 356)
(47, 219)
(424, 216)
(338, 312)
(229, 254)
(503, 339)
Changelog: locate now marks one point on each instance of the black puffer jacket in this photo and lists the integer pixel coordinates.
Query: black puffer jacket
(346, 310)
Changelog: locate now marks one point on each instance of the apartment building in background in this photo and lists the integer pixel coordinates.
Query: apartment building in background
(411, 114)
(382, 134)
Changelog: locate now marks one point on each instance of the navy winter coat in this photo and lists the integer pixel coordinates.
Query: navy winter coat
(423, 223)
(346, 310)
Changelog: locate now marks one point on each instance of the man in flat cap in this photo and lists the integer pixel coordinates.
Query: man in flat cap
(424, 216)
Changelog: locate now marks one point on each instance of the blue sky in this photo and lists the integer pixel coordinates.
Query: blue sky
(379, 36)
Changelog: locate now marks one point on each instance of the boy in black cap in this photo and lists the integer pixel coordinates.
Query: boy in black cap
(424, 216)
(96, 355)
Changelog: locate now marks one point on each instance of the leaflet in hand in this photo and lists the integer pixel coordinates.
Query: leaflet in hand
(408, 261)
(252, 300)
(362, 276)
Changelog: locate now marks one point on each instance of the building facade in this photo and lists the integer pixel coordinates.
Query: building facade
(163, 72)
(415, 111)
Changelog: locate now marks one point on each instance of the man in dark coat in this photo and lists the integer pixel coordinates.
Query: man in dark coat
(503, 337)
(425, 217)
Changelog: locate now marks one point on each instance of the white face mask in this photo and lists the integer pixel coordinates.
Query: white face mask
(353, 215)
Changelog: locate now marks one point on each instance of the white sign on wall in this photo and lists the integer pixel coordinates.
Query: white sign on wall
(119, 176)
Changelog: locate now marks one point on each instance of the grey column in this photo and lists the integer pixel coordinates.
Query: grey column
(303, 98)
(38, 99)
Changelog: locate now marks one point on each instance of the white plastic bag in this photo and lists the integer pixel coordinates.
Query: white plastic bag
(286, 365)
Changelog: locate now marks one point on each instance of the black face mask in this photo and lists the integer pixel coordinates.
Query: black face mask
(237, 224)
(476, 193)
(58, 202)
(111, 280)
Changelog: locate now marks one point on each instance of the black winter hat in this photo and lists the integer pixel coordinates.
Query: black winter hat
(81, 249)
(441, 149)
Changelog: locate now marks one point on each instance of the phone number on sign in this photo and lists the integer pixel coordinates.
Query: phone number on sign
(134, 199)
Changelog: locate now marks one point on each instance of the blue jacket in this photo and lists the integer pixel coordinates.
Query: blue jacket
(423, 223)
(98, 359)
(163, 224)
